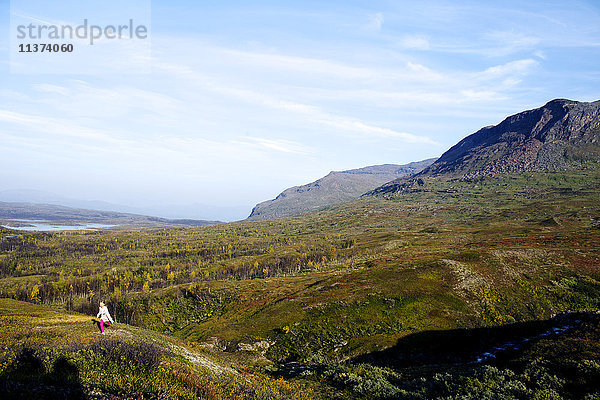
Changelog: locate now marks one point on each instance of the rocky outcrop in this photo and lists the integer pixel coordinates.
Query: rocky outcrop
(561, 134)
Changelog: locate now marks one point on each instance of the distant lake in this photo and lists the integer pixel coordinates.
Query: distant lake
(41, 225)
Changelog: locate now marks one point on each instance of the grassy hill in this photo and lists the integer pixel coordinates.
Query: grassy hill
(45, 353)
(541, 225)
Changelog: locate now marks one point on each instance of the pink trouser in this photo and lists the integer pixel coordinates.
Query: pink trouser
(102, 325)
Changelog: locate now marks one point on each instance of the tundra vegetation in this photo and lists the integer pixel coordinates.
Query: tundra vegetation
(323, 305)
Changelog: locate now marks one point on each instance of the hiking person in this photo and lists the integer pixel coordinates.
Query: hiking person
(104, 316)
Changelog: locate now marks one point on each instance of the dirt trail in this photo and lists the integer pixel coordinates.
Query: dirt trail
(201, 360)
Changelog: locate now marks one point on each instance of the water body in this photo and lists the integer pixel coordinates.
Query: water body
(517, 345)
(46, 226)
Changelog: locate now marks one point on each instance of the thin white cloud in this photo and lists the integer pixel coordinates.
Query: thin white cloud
(49, 88)
(83, 100)
(309, 112)
(424, 73)
(370, 130)
(315, 114)
(513, 67)
(415, 42)
(36, 19)
(375, 21)
(511, 41)
(52, 125)
(300, 64)
(295, 67)
(191, 153)
(284, 146)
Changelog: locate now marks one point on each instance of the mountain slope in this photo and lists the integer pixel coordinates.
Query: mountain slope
(561, 134)
(335, 188)
(47, 353)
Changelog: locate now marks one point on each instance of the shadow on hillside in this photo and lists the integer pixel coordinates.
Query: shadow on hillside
(26, 378)
(463, 346)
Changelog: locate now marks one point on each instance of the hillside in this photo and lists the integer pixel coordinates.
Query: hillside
(560, 135)
(11, 213)
(53, 354)
(334, 188)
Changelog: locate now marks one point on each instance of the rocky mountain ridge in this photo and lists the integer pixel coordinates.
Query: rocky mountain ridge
(561, 134)
(334, 188)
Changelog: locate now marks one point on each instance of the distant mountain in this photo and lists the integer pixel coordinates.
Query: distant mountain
(74, 216)
(193, 211)
(560, 135)
(42, 197)
(336, 187)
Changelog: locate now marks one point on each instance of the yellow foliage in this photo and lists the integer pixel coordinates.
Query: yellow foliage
(35, 293)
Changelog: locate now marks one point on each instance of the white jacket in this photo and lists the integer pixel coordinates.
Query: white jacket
(104, 315)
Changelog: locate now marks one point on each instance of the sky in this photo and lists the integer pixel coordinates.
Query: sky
(228, 103)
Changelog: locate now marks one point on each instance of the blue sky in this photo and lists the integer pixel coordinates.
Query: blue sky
(245, 99)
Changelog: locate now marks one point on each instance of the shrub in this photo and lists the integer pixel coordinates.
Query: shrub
(546, 394)
(138, 354)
